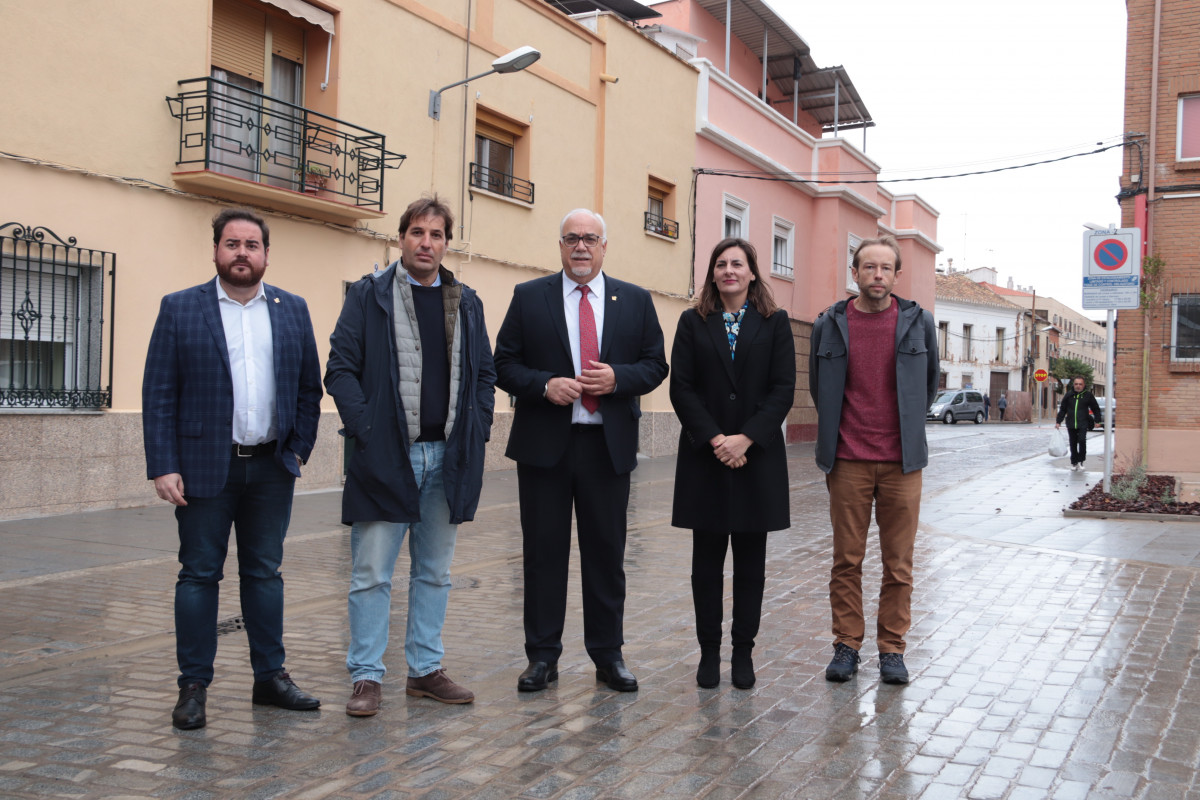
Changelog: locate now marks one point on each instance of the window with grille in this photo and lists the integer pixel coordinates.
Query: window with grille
(852, 243)
(501, 156)
(781, 248)
(1185, 327)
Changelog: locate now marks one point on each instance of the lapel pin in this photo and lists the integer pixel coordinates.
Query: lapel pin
(276, 299)
(614, 298)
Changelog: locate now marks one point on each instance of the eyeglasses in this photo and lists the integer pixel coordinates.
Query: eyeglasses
(588, 239)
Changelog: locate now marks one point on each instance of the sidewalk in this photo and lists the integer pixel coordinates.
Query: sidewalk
(1051, 657)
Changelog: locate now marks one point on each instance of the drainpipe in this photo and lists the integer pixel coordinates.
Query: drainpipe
(1154, 55)
(728, 26)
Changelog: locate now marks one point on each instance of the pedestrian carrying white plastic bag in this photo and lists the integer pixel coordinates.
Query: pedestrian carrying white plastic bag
(1058, 443)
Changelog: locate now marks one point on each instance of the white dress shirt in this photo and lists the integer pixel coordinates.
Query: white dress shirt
(579, 414)
(252, 366)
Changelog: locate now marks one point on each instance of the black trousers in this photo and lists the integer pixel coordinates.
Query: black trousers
(1077, 439)
(585, 479)
(708, 584)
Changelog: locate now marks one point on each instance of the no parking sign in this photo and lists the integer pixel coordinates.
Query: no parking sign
(1112, 268)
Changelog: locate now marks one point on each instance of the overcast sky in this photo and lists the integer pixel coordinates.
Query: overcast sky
(959, 86)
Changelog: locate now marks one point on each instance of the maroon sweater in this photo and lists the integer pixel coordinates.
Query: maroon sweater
(870, 425)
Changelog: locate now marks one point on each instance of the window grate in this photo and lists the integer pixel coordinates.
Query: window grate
(54, 349)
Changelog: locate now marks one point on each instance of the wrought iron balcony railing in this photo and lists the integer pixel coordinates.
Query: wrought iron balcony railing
(225, 128)
(501, 183)
(662, 226)
(54, 349)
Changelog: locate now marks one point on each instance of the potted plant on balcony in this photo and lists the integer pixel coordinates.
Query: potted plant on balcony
(314, 176)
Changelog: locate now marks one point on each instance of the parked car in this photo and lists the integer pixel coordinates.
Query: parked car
(1103, 403)
(954, 404)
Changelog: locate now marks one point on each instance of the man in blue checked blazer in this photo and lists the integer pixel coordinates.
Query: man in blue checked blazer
(230, 405)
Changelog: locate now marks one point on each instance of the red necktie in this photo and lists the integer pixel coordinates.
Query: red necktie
(589, 348)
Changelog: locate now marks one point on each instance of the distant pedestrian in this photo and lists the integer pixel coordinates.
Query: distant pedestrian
(1074, 410)
(873, 370)
(733, 380)
(230, 405)
(410, 369)
(1002, 404)
(987, 407)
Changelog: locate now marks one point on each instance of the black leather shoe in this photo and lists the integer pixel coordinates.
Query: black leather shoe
(537, 675)
(617, 676)
(279, 690)
(189, 711)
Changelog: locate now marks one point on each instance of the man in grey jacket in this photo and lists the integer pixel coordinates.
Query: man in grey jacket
(410, 369)
(873, 371)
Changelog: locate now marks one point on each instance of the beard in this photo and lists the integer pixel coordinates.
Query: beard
(240, 279)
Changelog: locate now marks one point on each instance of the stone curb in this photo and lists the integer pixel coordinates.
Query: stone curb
(1134, 515)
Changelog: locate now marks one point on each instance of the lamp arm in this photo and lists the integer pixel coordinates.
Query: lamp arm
(435, 97)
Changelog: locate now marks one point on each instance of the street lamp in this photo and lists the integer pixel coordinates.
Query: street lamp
(515, 61)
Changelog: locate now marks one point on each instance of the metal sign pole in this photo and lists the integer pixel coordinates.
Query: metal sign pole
(1109, 402)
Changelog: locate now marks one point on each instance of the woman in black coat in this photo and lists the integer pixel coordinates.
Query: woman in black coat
(733, 377)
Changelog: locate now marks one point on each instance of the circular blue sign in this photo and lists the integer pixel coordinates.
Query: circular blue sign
(1111, 254)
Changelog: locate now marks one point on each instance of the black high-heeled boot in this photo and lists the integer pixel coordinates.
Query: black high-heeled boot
(707, 599)
(742, 674)
(708, 674)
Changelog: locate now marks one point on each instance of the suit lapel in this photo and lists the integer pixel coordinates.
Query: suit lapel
(612, 315)
(558, 315)
(275, 312)
(716, 331)
(210, 308)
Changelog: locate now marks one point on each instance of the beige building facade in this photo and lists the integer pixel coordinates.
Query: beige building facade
(317, 115)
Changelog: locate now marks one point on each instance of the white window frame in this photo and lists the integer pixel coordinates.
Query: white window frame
(852, 243)
(737, 209)
(1194, 100)
(785, 230)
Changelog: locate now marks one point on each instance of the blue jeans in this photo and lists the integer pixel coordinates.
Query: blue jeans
(257, 502)
(374, 548)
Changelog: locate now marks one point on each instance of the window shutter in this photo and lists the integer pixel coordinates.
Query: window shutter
(287, 40)
(52, 295)
(239, 39)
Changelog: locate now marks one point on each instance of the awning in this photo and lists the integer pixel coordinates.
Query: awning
(628, 10)
(306, 12)
(827, 94)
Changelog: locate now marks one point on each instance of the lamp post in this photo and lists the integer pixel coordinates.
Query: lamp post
(515, 61)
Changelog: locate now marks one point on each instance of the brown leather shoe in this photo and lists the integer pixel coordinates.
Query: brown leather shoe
(364, 700)
(438, 685)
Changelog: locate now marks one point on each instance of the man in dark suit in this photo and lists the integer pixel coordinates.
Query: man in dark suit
(230, 405)
(577, 349)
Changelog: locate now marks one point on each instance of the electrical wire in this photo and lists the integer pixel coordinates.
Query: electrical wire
(794, 177)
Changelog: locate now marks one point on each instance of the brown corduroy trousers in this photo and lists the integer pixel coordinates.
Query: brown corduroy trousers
(854, 487)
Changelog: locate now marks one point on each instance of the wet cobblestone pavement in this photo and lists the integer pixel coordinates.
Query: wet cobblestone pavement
(1050, 657)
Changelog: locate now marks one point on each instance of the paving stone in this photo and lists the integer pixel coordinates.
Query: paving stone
(1043, 667)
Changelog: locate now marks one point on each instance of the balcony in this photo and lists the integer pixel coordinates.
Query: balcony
(662, 226)
(501, 183)
(246, 146)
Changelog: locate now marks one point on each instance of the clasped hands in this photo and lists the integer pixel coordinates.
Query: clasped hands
(598, 380)
(731, 450)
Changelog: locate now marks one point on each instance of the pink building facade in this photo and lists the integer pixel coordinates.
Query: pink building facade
(765, 173)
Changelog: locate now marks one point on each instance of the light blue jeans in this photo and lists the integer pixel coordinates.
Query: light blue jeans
(374, 548)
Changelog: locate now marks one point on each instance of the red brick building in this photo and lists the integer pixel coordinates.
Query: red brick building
(1158, 346)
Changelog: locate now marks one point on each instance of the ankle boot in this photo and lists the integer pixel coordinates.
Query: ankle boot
(708, 601)
(743, 667)
(708, 674)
